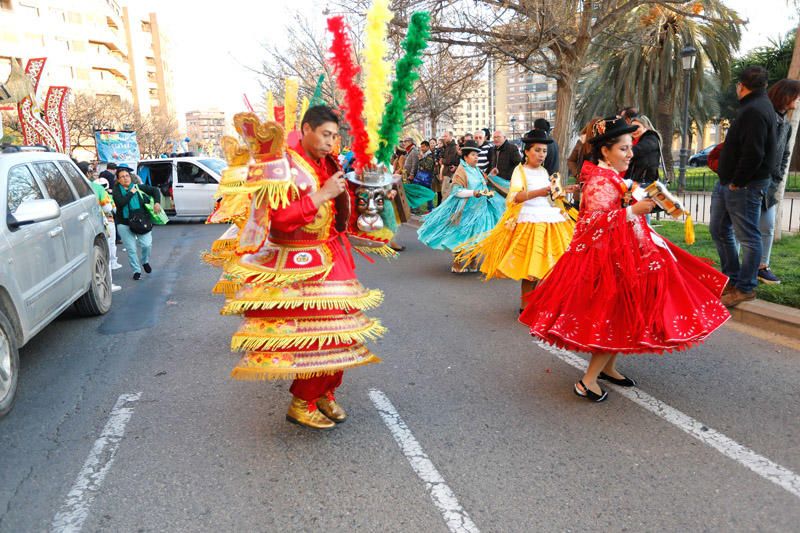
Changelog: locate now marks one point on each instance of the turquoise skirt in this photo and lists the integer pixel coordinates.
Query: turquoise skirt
(457, 220)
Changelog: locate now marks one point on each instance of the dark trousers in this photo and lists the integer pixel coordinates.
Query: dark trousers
(735, 216)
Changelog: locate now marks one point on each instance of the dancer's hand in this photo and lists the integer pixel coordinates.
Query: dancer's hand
(643, 207)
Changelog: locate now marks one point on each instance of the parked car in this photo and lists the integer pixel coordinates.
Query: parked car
(700, 159)
(188, 184)
(53, 249)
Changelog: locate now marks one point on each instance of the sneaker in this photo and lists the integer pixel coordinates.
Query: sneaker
(115, 288)
(115, 266)
(766, 276)
(137, 276)
(147, 267)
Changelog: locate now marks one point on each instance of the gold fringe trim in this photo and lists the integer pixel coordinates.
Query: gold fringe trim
(275, 193)
(227, 288)
(244, 342)
(370, 300)
(225, 245)
(274, 277)
(384, 251)
(215, 259)
(264, 374)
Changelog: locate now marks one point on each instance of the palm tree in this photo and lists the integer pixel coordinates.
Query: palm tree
(647, 73)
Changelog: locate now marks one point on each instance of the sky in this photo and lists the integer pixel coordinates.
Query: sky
(214, 42)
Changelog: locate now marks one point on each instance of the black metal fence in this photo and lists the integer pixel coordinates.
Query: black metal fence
(704, 179)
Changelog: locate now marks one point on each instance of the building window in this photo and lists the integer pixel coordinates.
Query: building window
(29, 10)
(145, 26)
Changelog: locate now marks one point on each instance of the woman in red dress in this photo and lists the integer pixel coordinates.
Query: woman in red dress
(620, 287)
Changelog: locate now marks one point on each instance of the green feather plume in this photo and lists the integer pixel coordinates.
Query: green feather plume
(317, 98)
(415, 42)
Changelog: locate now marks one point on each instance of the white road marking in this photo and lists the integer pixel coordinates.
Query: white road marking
(75, 509)
(455, 516)
(769, 470)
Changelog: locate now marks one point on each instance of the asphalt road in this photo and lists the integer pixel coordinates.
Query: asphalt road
(493, 412)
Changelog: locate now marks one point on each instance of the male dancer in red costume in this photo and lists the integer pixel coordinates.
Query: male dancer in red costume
(302, 302)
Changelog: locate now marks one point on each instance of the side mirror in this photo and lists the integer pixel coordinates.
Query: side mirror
(33, 211)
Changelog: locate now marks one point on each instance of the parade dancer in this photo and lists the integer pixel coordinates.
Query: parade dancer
(470, 210)
(532, 234)
(620, 287)
(301, 301)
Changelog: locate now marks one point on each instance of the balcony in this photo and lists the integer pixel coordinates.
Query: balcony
(112, 63)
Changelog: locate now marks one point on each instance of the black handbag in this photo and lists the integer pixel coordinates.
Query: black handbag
(140, 222)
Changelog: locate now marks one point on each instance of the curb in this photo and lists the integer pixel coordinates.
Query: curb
(768, 316)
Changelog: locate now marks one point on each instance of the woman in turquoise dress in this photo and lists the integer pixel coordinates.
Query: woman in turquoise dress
(470, 210)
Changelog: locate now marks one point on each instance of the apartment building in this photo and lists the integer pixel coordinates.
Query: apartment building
(205, 129)
(96, 46)
(520, 97)
(474, 112)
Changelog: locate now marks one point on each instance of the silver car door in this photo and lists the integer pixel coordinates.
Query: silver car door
(39, 252)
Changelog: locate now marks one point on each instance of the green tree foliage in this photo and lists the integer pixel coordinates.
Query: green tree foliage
(775, 58)
(646, 72)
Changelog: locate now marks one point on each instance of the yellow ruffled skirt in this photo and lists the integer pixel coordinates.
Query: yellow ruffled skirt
(520, 250)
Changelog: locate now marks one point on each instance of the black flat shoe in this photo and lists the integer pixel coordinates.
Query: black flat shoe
(147, 268)
(137, 276)
(624, 382)
(589, 395)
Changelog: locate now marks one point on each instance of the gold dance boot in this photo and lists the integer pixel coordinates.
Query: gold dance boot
(306, 414)
(327, 404)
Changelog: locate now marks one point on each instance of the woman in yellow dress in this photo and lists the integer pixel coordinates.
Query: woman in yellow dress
(532, 234)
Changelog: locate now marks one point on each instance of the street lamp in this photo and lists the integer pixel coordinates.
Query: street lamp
(688, 56)
(513, 127)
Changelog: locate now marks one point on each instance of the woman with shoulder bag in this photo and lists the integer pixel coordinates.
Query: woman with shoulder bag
(134, 224)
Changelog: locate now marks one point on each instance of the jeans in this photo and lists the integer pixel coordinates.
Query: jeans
(735, 216)
(133, 243)
(767, 232)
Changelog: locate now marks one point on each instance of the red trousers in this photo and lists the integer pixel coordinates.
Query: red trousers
(312, 388)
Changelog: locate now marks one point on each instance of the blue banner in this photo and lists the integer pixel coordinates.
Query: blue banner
(118, 147)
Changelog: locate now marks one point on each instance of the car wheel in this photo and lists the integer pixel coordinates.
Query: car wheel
(97, 300)
(9, 365)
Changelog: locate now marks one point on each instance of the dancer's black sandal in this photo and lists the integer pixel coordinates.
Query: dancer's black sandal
(589, 395)
(624, 382)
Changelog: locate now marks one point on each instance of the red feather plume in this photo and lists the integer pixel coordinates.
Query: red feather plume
(346, 74)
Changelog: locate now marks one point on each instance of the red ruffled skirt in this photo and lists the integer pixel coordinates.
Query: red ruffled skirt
(616, 290)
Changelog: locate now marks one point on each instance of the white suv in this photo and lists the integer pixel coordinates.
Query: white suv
(53, 252)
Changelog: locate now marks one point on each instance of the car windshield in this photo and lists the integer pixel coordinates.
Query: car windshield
(217, 165)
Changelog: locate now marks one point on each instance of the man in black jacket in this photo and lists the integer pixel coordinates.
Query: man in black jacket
(551, 161)
(506, 156)
(744, 174)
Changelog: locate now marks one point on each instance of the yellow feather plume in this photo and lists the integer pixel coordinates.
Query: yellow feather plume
(304, 107)
(270, 106)
(290, 104)
(376, 69)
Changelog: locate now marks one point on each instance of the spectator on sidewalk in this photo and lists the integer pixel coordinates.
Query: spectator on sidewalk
(487, 150)
(783, 95)
(745, 166)
(506, 156)
(411, 164)
(551, 162)
(646, 160)
(450, 161)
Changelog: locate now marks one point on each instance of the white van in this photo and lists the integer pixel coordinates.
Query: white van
(187, 184)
